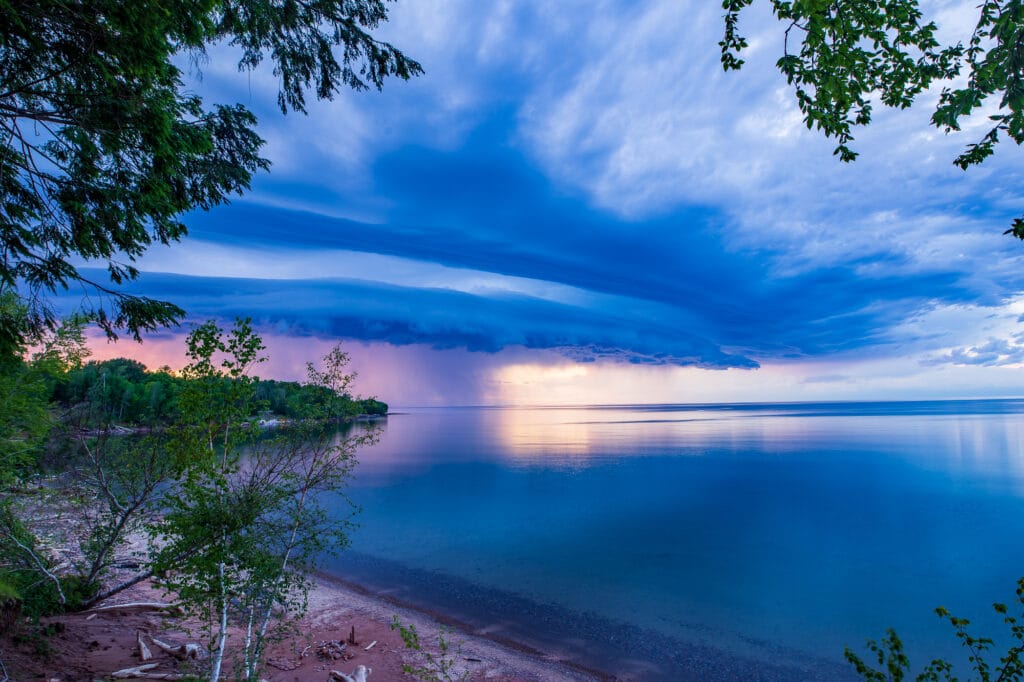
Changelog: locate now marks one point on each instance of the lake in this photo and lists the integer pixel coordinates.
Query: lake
(698, 542)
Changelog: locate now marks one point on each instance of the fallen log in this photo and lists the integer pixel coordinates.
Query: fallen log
(143, 672)
(172, 609)
(181, 651)
(358, 675)
(128, 673)
(144, 653)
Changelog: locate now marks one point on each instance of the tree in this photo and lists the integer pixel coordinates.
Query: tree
(25, 425)
(238, 538)
(105, 148)
(327, 395)
(852, 51)
(25, 388)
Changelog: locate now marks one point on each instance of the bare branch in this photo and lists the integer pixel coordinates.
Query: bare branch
(40, 565)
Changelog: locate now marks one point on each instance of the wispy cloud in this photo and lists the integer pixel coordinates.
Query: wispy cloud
(992, 353)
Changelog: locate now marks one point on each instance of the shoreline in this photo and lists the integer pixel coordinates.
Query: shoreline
(91, 645)
(495, 656)
(599, 646)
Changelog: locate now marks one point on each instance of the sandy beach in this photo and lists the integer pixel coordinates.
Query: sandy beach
(92, 645)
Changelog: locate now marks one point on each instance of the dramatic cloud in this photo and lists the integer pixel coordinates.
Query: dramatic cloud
(439, 318)
(583, 177)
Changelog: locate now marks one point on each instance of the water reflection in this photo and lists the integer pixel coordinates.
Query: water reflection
(807, 526)
(927, 432)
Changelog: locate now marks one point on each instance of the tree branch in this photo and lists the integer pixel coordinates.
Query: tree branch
(40, 565)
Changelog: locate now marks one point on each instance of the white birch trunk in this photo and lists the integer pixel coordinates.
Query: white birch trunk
(265, 621)
(250, 656)
(222, 636)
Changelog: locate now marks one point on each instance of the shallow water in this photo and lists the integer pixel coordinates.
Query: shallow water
(746, 542)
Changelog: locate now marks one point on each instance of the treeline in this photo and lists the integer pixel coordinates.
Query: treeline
(289, 398)
(123, 391)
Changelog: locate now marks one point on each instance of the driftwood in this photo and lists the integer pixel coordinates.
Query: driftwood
(332, 651)
(143, 672)
(181, 651)
(358, 675)
(144, 653)
(370, 645)
(172, 609)
(128, 673)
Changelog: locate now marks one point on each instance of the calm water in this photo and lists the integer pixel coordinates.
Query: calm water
(675, 542)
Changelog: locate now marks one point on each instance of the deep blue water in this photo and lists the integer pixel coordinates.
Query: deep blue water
(740, 541)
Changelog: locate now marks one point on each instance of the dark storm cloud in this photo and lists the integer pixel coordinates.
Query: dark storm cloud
(437, 317)
(485, 209)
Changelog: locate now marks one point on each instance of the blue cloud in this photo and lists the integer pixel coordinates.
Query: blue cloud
(440, 318)
(487, 209)
(700, 222)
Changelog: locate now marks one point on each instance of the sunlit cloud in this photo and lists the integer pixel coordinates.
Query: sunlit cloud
(839, 379)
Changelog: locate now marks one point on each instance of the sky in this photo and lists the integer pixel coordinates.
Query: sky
(576, 204)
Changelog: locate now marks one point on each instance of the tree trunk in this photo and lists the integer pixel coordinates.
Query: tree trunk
(106, 594)
(222, 636)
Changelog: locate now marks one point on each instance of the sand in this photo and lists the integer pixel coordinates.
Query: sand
(90, 646)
